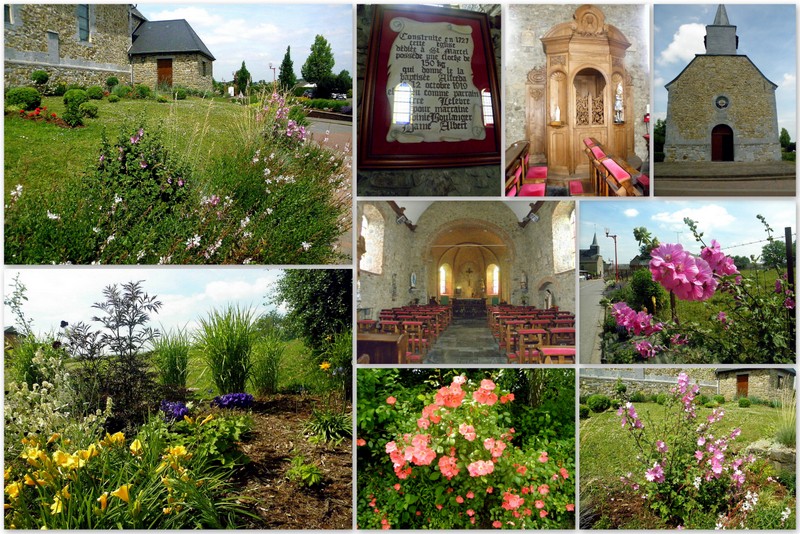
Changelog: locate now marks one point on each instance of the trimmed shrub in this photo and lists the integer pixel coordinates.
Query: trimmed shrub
(584, 411)
(638, 396)
(744, 402)
(95, 92)
(60, 89)
(88, 109)
(122, 91)
(75, 97)
(113, 99)
(711, 404)
(162, 99)
(615, 403)
(26, 98)
(703, 399)
(598, 403)
(111, 82)
(180, 93)
(39, 77)
(142, 91)
(620, 387)
(73, 118)
(719, 399)
(661, 398)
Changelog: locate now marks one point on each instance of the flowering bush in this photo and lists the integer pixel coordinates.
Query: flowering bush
(454, 465)
(174, 411)
(233, 400)
(686, 465)
(756, 324)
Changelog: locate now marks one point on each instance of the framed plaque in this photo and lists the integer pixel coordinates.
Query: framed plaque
(431, 95)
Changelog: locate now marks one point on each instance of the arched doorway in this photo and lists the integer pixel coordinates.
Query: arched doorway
(722, 143)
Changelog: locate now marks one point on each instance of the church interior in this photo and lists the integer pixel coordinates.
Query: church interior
(481, 282)
(577, 120)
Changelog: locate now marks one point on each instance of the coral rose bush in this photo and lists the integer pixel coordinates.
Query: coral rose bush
(456, 465)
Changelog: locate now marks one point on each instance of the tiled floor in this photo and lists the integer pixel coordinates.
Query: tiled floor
(466, 341)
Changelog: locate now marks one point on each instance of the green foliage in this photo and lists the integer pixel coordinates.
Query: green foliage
(787, 419)
(88, 109)
(227, 340)
(180, 93)
(744, 402)
(161, 99)
(327, 426)
(320, 61)
(639, 396)
(304, 474)
(645, 291)
(661, 398)
(122, 91)
(659, 135)
(26, 98)
(788, 156)
(60, 89)
(598, 403)
(784, 138)
(266, 359)
(620, 387)
(703, 399)
(719, 399)
(773, 254)
(215, 439)
(584, 411)
(111, 82)
(113, 99)
(142, 91)
(40, 77)
(75, 97)
(319, 302)
(95, 92)
(286, 77)
(171, 357)
(242, 79)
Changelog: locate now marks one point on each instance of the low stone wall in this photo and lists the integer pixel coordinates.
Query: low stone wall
(19, 75)
(607, 386)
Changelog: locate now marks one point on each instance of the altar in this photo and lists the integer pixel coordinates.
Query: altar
(469, 307)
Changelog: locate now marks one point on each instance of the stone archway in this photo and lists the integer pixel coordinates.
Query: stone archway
(722, 143)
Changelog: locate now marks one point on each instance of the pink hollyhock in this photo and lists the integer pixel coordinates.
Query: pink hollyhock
(661, 446)
(655, 474)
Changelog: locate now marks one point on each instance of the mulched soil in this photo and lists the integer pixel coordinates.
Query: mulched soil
(281, 504)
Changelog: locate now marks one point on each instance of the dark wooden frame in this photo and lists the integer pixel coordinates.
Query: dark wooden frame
(373, 128)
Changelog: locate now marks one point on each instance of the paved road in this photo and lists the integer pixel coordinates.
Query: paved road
(591, 317)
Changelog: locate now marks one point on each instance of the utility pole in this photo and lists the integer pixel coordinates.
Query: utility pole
(616, 263)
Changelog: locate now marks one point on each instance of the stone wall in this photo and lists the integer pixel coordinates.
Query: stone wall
(187, 70)
(647, 381)
(484, 180)
(406, 252)
(692, 113)
(31, 44)
(527, 24)
(762, 383)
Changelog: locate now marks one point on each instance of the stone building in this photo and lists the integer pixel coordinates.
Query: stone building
(764, 384)
(721, 107)
(565, 66)
(591, 260)
(85, 44)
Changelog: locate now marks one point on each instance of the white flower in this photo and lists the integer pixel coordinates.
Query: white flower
(193, 242)
(247, 235)
(53, 216)
(306, 245)
(247, 261)
(164, 259)
(110, 238)
(244, 222)
(267, 171)
(117, 199)
(269, 211)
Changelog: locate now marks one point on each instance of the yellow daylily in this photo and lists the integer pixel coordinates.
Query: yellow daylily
(178, 451)
(325, 366)
(137, 508)
(208, 418)
(122, 493)
(117, 437)
(57, 507)
(13, 490)
(103, 500)
(89, 452)
(188, 419)
(65, 492)
(167, 511)
(54, 437)
(7, 473)
(61, 458)
(29, 481)
(136, 447)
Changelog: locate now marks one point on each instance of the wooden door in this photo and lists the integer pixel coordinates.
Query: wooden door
(741, 385)
(722, 143)
(164, 67)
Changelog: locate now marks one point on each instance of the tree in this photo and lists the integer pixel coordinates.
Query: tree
(659, 135)
(344, 82)
(773, 254)
(320, 62)
(741, 262)
(319, 302)
(242, 79)
(286, 78)
(785, 139)
(646, 240)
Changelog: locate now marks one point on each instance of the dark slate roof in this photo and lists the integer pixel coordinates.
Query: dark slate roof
(138, 14)
(164, 36)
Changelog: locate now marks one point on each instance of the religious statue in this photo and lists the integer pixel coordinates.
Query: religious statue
(618, 116)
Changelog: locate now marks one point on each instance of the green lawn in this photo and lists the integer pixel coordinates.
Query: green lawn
(607, 452)
(38, 154)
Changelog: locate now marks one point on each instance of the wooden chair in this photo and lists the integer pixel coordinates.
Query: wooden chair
(416, 337)
(562, 336)
(366, 325)
(559, 355)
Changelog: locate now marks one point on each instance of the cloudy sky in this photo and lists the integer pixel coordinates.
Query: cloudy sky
(767, 35)
(732, 223)
(258, 34)
(187, 294)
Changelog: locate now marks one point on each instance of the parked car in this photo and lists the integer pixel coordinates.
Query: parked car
(308, 93)
(338, 96)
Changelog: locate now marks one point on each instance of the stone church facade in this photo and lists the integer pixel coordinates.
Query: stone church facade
(85, 44)
(721, 107)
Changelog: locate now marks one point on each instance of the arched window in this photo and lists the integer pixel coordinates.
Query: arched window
(445, 279)
(372, 227)
(493, 277)
(486, 103)
(564, 237)
(401, 104)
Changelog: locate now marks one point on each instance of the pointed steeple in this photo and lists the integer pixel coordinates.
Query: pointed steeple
(594, 241)
(721, 38)
(722, 16)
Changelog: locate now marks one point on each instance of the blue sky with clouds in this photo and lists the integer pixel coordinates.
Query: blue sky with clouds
(258, 34)
(732, 223)
(767, 35)
(187, 294)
